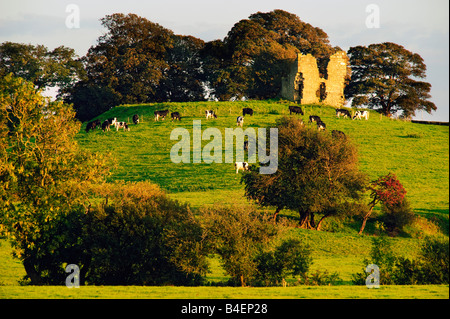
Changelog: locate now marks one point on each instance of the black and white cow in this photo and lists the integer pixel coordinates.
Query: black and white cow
(314, 118)
(112, 120)
(160, 114)
(241, 166)
(175, 116)
(210, 114)
(135, 119)
(295, 109)
(240, 121)
(123, 125)
(360, 114)
(248, 111)
(105, 125)
(338, 134)
(343, 112)
(321, 126)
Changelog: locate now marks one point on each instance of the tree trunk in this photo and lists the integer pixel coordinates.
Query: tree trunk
(320, 221)
(306, 220)
(366, 217)
(275, 214)
(32, 273)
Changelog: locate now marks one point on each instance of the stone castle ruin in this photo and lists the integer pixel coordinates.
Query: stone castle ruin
(304, 84)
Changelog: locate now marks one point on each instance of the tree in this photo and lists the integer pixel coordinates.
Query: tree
(386, 189)
(183, 80)
(57, 68)
(384, 78)
(237, 235)
(256, 54)
(317, 174)
(127, 63)
(43, 173)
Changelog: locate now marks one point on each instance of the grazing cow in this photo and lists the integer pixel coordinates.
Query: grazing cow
(241, 166)
(295, 109)
(314, 118)
(105, 125)
(135, 119)
(92, 125)
(175, 116)
(321, 126)
(112, 120)
(240, 121)
(338, 134)
(359, 114)
(160, 114)
(210, 114)
(343, 112)
(248, 111)
(123, 125)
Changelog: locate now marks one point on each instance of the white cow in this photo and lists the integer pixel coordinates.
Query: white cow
(241, 166)
(360, 114)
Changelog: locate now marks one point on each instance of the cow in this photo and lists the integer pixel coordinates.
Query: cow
(245, 145)
(135, 119)
(359, 114)
(160, 114)
(240, 121)
(338, 134)
(210, 114)
(314, 118)
(248, 111)
(112, 120)
(321, 126)
(241, 166)
(295, 109)
(123, 125)
(105, 125)
(343, 112)
(175, 116)
(92, 125)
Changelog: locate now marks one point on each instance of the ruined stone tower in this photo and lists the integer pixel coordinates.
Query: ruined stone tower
(305, 86)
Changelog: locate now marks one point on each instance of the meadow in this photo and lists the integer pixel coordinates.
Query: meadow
(418, 154)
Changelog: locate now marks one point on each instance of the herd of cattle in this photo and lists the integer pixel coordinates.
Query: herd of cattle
(210, 114)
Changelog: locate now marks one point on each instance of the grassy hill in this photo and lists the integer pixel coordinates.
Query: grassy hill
(418, 154)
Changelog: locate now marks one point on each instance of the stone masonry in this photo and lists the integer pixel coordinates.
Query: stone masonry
(305, 86)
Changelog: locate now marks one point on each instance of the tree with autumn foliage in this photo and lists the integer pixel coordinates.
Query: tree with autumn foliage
(257, 53)
(387, 190)
(44, 175)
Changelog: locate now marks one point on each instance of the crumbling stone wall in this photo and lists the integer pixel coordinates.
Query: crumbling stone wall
(303, 82)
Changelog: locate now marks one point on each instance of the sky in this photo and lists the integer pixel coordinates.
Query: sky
(420, 26)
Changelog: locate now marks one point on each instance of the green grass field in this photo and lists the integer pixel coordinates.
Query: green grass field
(416, 153)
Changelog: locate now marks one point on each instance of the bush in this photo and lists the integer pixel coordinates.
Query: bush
(292, 257)
(397, 216)
(144, 238)
(432, 266)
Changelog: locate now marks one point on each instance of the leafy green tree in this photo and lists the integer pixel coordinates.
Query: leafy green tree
(384, 78)
(317, 174)
(141, 237)
(59, 67)
(237, 235)
(43, 173)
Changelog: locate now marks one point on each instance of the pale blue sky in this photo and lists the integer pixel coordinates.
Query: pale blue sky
(420, 26)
